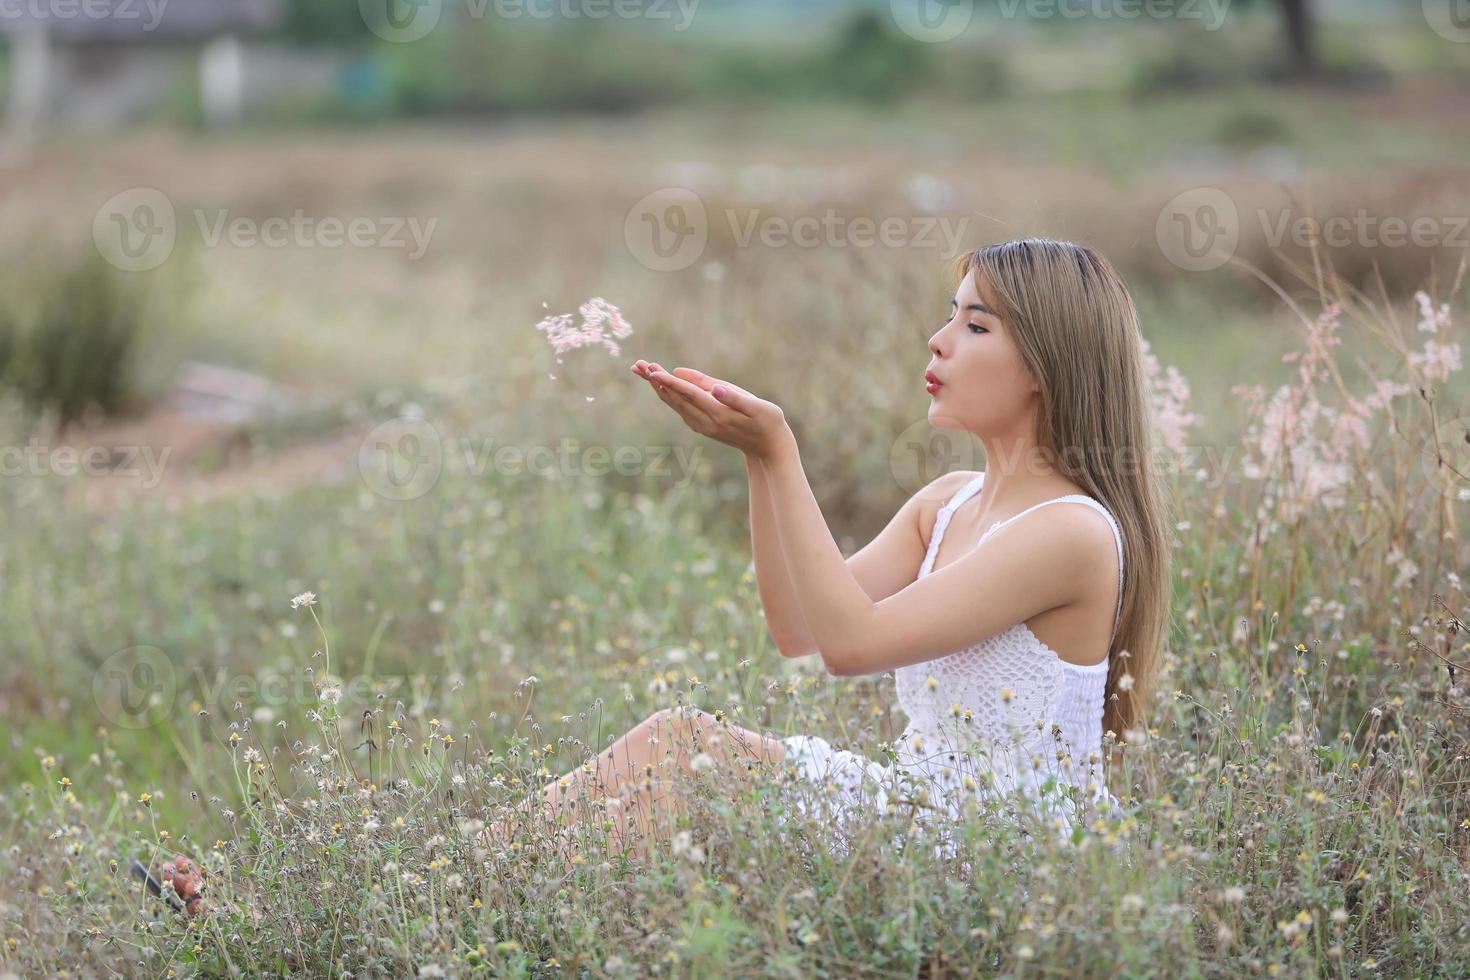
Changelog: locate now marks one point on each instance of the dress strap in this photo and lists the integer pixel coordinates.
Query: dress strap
(965, 493)
(941, 521)
(1077, 498)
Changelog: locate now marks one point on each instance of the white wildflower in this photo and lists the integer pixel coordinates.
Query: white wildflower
(684, 847)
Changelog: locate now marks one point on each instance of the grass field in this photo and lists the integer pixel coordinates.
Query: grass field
(1299, 805)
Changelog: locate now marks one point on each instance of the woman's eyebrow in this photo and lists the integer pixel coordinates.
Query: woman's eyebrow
(977, 307)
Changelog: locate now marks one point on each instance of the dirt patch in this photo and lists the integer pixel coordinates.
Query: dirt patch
(200, 443)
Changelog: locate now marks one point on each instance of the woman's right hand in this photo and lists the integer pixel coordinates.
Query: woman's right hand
(188, 882)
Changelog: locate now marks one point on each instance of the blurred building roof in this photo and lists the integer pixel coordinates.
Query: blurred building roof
(130, 21)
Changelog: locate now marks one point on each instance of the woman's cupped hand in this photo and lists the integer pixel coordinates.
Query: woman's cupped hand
(719, 409)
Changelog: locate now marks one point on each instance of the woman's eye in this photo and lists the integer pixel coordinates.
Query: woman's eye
(976, 326)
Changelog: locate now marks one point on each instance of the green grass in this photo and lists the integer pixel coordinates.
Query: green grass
(1327, 783)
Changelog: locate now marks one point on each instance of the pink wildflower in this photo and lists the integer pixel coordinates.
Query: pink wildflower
(598, 318)
(1170, 395)
(1437, 360)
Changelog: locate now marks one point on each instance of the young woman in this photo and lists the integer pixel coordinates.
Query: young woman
(1019, 630)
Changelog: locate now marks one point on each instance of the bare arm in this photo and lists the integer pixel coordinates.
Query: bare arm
(974, 597)
(882, 567)
(772, 577)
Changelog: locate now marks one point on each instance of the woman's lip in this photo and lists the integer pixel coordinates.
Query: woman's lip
(933, 387)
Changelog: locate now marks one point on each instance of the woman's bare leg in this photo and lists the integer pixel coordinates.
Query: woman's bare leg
(627, 775)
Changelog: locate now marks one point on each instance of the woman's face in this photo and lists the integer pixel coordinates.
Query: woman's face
(984, 385)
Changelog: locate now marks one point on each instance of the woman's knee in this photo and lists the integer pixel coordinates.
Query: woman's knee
(681, 718)
(658, 718)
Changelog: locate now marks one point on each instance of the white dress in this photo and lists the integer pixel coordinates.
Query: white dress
(965, 738)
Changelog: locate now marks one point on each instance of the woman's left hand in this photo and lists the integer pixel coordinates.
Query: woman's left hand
(720, 410)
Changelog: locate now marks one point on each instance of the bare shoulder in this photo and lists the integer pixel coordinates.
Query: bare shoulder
(1083, 525)
(939, 491)
(1078, 540)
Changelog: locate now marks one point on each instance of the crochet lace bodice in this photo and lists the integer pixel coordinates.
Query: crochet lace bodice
(1008, 712)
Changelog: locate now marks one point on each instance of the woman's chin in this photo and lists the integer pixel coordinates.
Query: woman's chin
(940, 419)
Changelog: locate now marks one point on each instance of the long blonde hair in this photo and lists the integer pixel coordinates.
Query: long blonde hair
(1077, 329)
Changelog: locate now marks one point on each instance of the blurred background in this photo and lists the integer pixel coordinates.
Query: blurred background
(273, 270)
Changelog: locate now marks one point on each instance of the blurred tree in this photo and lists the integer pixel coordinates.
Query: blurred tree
(871, 61)
(1296, 16)
(329, 21)
(1298, 25)
(70, 342)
